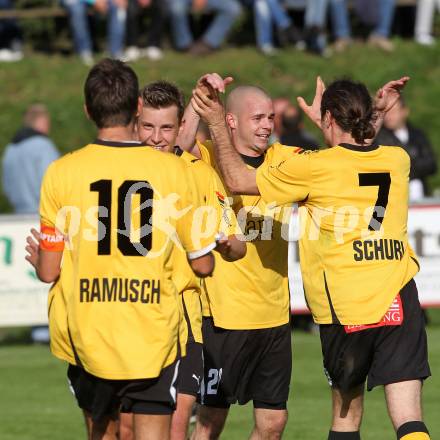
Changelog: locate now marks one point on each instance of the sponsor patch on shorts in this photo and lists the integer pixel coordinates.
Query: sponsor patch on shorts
(394, 316)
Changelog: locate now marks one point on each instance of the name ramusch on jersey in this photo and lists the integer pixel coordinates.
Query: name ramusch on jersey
(119, 289)
(383, 249)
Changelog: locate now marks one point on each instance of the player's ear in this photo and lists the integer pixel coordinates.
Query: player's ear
(139, 107)
(86, 111)
(181, 125)
(327, 119)
(230, 121)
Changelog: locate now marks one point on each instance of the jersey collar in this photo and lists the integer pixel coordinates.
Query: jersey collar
(360, 148)
(119, 143)
(253, 161)
(178, 151)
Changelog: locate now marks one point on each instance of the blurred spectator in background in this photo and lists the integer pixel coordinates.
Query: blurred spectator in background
(116, 10)
(25, 160)
(226, 12)
(268, 13)
(377, 13)
(293, 132)
(315, 23)
(398, 131)
(279, 107)
(135, 13)
(425, 21)
(10, 36)
(289, 127)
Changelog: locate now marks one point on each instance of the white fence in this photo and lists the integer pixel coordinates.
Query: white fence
(23, 298)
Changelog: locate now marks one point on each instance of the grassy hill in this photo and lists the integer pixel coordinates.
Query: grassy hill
(58, 81)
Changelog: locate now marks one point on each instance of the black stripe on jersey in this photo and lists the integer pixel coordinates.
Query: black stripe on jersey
(335, 319)
(178, 151)
(361, 148)
(415, 261)
(305, 298)
(75, 353)
(188, 322)
(118, 143)
(253, 161)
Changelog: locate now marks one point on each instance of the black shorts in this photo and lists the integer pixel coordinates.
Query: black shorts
(383, 355)
(243, 365)
(191, 369)
(105, 398)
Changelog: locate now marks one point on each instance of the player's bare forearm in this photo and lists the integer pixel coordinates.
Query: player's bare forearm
(238, 178)
(49, 266)
(378, 122)
(186, 139)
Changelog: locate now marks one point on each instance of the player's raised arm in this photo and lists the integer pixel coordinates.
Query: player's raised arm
(237, 177)
(385, 99)
(209, 83)
(313, 111)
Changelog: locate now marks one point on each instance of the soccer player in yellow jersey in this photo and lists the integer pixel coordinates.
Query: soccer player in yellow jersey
(158, 126)
(114, 211)
(246, 329)
(356, 262)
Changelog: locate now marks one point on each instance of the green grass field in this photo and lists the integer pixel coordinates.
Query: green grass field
(58, 81)
(36, 404)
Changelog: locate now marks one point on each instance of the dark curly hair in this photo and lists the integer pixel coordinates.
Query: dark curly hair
(351, 106)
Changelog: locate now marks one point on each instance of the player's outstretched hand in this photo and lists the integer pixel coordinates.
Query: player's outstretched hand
(210, 108)
(389, 94)
(213, 82)
(33, 242)
(314, 111)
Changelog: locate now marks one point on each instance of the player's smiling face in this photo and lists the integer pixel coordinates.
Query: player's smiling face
(159, 128)
(255, 123)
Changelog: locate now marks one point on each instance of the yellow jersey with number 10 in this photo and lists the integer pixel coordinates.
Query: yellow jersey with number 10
(123, 208)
